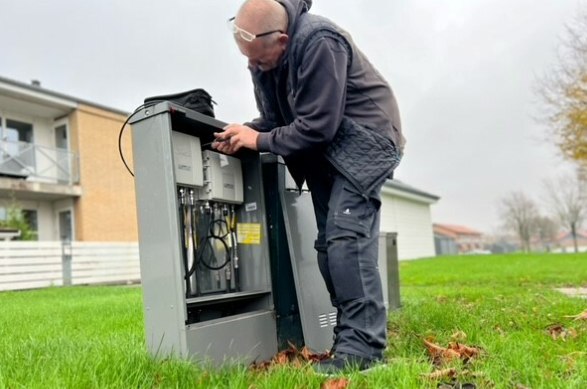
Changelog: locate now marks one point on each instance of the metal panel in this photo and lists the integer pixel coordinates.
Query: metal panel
(317, 314)
(159, 236)
(243, 338)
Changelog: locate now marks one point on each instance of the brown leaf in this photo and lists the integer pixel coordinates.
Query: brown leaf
(440, 374)
(463, 350)
(432, 348)
(292, 348)
(520, 386)
(306, 354)
(260, 366)
(335, 383)
(557, 330)
(455, 350)
(297, 358)
(580, 316)
(280, 358)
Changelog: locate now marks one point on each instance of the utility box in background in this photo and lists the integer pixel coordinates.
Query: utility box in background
(389, 269)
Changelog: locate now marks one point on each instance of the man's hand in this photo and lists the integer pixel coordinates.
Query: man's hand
(234, 137)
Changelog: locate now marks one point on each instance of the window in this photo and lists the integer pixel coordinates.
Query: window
(32, 220)
(29, 216)
(18, 131)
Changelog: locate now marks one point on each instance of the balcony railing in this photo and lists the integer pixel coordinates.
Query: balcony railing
(38, 163)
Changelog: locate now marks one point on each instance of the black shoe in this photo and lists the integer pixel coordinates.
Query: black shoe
(340, 362)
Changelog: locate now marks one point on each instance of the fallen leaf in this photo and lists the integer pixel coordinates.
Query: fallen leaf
(440, 374)
(520, 386)
(293, 356)
(463, 350)
(306, 353)
(580, 316)
(455, 350)
(557, 330)
(335, 383)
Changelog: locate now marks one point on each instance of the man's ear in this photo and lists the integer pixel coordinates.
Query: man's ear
(283, 39)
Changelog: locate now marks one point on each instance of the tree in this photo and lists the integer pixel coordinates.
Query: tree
(567, 200)
(546, 230)
(15, 219)
(519, 212)
(563, 93)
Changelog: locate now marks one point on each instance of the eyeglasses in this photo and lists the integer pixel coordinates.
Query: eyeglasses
(245, 34)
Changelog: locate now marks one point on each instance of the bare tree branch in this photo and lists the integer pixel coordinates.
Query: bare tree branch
(566, 198)
(520, 213)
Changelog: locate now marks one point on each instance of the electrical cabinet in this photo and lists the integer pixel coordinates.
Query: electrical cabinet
(205, 267)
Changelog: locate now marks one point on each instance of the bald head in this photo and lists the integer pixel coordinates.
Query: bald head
(257, 16)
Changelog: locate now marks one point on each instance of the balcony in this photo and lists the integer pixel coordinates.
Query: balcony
(36, 163)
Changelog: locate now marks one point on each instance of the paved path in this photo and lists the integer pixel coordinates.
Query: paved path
(574, 292)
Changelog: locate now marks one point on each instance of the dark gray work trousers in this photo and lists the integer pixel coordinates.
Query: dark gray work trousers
(347, 246)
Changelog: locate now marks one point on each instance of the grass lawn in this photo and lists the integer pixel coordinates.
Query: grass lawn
(505, 306)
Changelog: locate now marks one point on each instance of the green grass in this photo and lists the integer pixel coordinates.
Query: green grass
(92, 337)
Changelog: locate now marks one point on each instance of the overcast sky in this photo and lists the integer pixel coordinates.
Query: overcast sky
(462, 71)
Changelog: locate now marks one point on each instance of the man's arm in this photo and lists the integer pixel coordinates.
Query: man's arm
(318, 106)
(319, 101)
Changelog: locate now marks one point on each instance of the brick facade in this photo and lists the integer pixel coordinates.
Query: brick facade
(106, 210)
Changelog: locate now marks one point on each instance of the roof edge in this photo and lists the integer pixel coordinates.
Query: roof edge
(39, 89)
(400, 186)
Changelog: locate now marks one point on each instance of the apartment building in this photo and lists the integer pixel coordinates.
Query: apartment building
(59, 162)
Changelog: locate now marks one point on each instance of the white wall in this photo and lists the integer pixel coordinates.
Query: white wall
(412, 221)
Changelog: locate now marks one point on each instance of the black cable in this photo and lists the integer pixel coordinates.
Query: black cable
(226, 249)
(204, 241)
(142, 106)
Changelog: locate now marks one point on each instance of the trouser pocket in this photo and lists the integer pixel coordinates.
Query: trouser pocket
(350, 243)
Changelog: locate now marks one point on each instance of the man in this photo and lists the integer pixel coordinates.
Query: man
(334, 119)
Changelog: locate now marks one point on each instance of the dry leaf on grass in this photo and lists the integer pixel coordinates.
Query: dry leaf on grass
(335, 383)
(291, 355)
(580, 316)
(558, 331)
(454, 350)
(440, 374)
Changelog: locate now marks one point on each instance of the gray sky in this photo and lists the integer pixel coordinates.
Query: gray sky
(462, 71)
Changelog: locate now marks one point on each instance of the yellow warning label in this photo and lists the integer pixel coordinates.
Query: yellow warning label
(248, 233)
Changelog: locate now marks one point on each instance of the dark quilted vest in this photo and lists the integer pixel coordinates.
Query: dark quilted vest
(364, 155)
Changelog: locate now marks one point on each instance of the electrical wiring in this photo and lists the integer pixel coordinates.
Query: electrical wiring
(139, 108)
